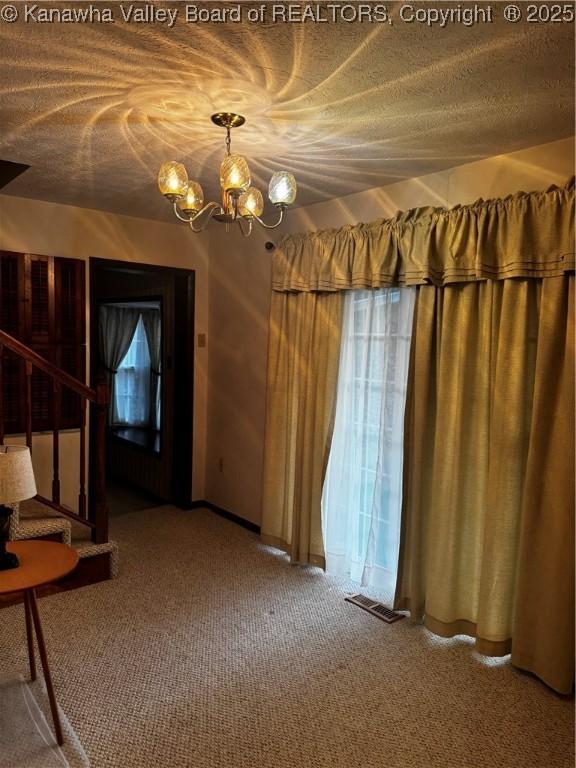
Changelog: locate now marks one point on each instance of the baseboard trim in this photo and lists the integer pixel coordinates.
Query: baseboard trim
(224, 513)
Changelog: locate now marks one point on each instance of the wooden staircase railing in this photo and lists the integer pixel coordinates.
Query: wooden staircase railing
(92, 509)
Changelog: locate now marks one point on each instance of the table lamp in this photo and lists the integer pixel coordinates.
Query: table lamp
(16, 484)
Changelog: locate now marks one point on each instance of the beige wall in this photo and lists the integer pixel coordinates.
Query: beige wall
(42, 463)
(239, 284)
(32, 226)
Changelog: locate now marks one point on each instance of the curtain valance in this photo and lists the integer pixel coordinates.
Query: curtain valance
(523, 235)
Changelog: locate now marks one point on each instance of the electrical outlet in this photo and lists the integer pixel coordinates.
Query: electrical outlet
(221, 464)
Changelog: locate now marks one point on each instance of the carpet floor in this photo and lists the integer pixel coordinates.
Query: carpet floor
(26, 737)
(211, 651)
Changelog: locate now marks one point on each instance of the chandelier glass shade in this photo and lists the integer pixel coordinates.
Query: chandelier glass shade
(193, 200)
(173, 180)
(251, 203)
(241, 203)
(234, 174)
(282, 188)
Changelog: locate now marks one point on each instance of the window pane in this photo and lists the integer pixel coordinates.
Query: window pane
(362, 492)
(132, 382)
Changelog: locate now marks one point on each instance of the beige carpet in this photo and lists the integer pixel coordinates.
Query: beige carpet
(210, 651)
(26, 728)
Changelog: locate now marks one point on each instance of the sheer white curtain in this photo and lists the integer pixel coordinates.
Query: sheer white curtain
(362, 494)
(132, 385)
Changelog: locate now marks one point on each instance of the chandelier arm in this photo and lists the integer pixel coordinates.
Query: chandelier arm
(210, 209)
(249, 232)
(271, 226)
(179, 215)
(202, 226)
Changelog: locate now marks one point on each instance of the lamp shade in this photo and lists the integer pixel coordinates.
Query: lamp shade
(193, 200)
(282, 188)
(251, 203)
(16, 474)
(234, 174)
(173, 180)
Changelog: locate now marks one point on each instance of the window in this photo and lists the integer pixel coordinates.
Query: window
(132, 385)
(130, 348)
(362, 492)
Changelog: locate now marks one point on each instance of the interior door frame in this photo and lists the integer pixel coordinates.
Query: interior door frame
(183, 364)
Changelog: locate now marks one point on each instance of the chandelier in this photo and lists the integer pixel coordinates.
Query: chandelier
(241, 202)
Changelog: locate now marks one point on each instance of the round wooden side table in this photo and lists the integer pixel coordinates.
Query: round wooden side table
(41, 562)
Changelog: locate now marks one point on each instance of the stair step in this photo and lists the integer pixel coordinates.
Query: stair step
(34, 520)
(57, 526)
(38, 528)
(88, 549)
(32, 509)
(98, 562)
(34, 528)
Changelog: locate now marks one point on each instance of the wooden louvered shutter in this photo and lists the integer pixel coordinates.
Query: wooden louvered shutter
(12, 320)
(42, 303)
(70, 317)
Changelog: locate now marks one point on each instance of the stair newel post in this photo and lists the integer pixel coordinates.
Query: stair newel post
(100, 508)
(28, 369)
(56, 408)
(82, 489)
(1, 394)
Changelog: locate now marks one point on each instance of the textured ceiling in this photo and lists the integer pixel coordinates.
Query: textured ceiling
(95, 108)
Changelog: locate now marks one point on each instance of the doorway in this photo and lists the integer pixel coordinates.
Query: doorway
(142, 345)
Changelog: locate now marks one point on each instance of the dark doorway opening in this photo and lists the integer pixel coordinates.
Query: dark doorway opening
(152, 454)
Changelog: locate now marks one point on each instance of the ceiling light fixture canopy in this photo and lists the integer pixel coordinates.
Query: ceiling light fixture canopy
(241, 202)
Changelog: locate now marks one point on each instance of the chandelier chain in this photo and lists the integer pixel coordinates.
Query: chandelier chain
(228, 140)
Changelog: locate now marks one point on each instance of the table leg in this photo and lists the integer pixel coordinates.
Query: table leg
(45, 667)
(29, 635)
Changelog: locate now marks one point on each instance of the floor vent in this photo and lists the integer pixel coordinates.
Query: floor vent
(375, 608)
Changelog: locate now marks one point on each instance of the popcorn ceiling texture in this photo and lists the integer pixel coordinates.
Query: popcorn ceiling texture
(96, 108)
(210, 651)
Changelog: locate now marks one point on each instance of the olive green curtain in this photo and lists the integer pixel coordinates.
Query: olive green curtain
(304, 349)
(543, 628)
(523, 235)
(487, 542)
